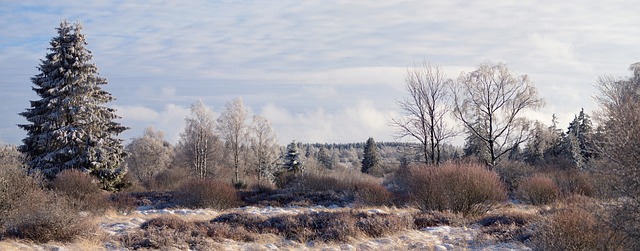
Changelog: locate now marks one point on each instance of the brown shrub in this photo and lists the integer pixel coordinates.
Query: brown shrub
(379, 225)
(372, 194)
(168, 179)
(507, 226)
(84, 192)
(48, 218)
(207, 193)
(16, 188)
(123, 203)
(513, 172)
(574, 182)
(538, 190)
(436, 218)
(460, 188)
(574, 228)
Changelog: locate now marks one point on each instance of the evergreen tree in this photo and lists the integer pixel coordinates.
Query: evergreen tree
(578, 140)
(371, 158)
(324, 157)
(292, 162)
(70, 128)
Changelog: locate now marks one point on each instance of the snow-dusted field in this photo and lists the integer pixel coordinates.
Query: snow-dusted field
(432, 238)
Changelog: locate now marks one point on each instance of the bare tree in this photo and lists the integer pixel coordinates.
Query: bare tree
(198, 141)
(264, 146)
(489, 101)
(233, 129)
(425, 110)
(620, 148)
(149, 154)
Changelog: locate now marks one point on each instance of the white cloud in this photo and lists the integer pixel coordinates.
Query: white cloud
(331, 66)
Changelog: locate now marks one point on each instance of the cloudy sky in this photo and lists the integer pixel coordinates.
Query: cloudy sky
(320, 71)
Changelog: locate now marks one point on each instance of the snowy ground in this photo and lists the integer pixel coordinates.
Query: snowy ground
(432, 238)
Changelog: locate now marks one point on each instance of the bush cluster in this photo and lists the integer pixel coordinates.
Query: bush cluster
(464, 188)
(207, 193)
(172, 231)
(27, 211)
(538, 189)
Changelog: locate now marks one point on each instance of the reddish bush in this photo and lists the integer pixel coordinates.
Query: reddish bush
(460, 188)
(84, 192)
(538, 190)
(207, 193)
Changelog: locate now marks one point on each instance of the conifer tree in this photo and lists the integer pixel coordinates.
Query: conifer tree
(70, 126)
(371, 158)
(292, 162)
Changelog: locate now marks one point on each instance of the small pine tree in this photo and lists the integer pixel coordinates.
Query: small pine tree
(292, 162)
(70, 128)
(371, 157)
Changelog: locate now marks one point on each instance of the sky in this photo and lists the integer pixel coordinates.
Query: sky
(320, 71)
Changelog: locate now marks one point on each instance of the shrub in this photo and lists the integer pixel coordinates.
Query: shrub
(460, 188)
(82, 189)
(48, 218)
(168, 179)
(372, 194)
(123, 203)
(207, 193)
(538, 190)
(378, 225)
(574, 182)
(16, 188)
(513, 172)
(574, 228)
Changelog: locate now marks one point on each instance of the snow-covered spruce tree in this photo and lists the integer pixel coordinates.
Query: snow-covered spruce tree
(70, 128)
(292, 162)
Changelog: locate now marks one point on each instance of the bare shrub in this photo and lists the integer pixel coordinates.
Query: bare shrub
(169, 179)
(574, 182)
(574, 228)
(82, 189)
(15, 188)
(513, 172)
(123, 203)
(508, 226)
(436, 218)
(372, 194)
(207, 193)
(462, 188)
(48, 218)
(538, 190)
(378, 225)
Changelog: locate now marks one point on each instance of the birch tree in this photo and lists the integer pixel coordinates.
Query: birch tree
(198, 142)
(490, 101)
(70, 126)
(264, 147)
(233, 129)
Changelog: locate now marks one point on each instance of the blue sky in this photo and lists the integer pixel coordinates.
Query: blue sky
(321, 71)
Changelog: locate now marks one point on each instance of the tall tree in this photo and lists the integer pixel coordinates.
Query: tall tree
(70, 126)
(493, 97)
(425, 110)
(233, 129)
(264, 146)
(371, 157)
(148, 154)
(198, 143)
(619, 101)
